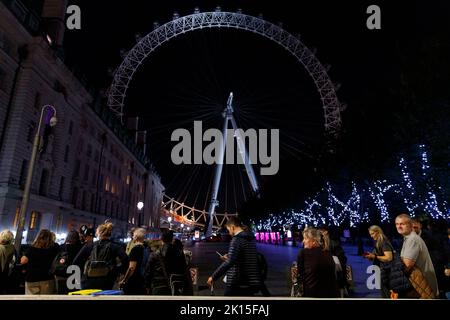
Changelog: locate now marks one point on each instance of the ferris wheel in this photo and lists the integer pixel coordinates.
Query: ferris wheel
(181, 25)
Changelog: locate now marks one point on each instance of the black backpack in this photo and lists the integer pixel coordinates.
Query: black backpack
(262, 266)
(100, 262)
(61, 263)
(145, 257)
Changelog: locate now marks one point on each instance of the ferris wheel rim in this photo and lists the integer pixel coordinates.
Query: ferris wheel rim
(180, 25)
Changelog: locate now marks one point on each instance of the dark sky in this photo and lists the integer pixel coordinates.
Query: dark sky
(386, 76)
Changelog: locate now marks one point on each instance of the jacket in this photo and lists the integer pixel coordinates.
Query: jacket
(420, 284)
(241, 267)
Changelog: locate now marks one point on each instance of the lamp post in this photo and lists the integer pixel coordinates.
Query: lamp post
(51, 120)
(140, 205)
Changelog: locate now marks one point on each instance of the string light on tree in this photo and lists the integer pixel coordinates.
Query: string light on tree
(408, 194)
(378, 197)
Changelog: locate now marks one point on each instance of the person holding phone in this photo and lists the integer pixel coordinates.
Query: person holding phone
(240, 264)
(222, 257)
(382, 254)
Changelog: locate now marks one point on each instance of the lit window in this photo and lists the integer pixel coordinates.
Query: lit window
(128, 180)
(107, 184)
(34, 220)
(16, 218)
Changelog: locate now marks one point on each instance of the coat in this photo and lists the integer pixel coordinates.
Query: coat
(241, 268)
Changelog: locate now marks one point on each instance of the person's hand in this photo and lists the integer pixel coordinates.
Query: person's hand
(370, 256)
(224, 257)
(210, 281)
(447, 272)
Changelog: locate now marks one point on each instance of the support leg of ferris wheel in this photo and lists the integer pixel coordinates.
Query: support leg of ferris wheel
(228, 115)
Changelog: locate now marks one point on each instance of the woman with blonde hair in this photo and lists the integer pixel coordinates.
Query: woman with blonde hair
(106, 261)
(7, 254)
(316, 267)
(381, 256)
(133, 281)
(38, 261)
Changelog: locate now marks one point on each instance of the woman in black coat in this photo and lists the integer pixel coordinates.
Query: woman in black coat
(316, 267)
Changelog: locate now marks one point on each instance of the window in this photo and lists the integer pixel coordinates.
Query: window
(83, 200)
(92, 202)
(16, 218)
(3, 79)
(80, 146)
(94, 177)
(70, 127)
(30, 134)
(61, 188)
(44, 183)
(99, 205)
(89, 151)
(37, 101)
(76, 169)
(23, 174)
(75, 197)
(107, 184)
(86, 173)
(66, 154)
(34, 221)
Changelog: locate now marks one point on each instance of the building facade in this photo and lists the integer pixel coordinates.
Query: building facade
(89, 167)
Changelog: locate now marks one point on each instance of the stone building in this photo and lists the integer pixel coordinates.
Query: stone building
(90, 167)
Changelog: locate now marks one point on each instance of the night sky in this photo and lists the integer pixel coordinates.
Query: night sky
(395, 82)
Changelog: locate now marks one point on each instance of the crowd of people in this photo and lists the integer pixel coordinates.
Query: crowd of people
(140, 268)
(418, 268)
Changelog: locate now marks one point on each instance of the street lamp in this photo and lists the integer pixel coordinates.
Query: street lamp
(140, 205)
(170, 220)
(50, 119)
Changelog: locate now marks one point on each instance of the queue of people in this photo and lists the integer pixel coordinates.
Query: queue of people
(419, 268)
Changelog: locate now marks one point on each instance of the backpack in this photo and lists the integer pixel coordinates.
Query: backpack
(99, 264)
(394, 275)
(145, 257)
(262, 266)
(60, 264)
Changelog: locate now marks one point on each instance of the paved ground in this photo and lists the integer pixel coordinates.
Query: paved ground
(279, 259)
